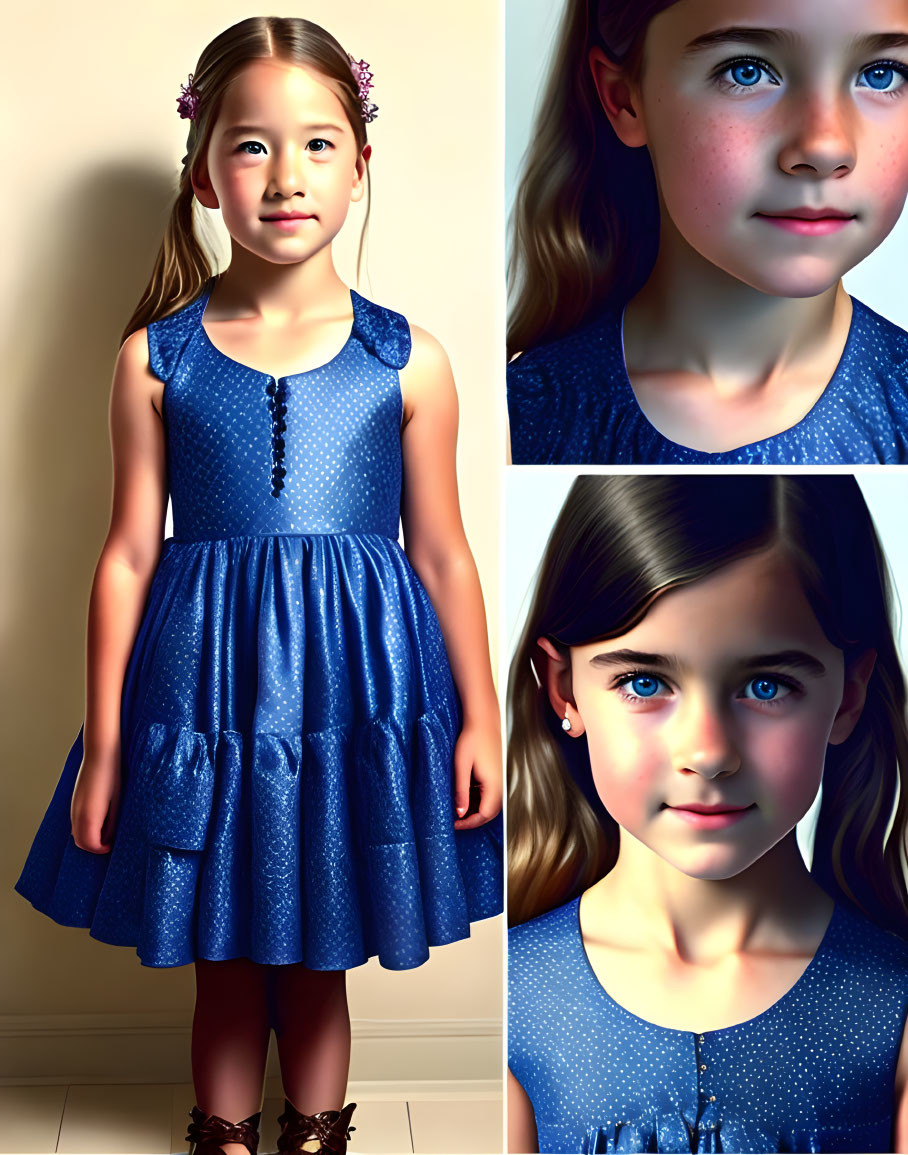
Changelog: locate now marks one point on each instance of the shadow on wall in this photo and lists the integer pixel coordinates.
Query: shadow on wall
(87, 270)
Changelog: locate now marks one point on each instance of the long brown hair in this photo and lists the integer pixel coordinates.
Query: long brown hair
(621, 541)
(182, 268)
(585, 224)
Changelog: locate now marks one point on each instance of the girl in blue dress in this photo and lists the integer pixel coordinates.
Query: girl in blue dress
(700, 178)
(288, 761)
(701, 657)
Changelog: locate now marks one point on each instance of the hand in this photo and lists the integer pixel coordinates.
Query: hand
(477, 775)
(96, 801)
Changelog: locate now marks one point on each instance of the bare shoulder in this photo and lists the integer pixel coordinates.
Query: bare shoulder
(900, 1107)
(427, 374)
(133, 381)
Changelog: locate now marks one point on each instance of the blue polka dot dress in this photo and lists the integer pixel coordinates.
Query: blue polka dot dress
(288, 711)
(815, 1072)
(570, 402)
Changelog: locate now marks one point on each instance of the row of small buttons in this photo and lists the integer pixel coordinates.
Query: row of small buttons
(277, 404)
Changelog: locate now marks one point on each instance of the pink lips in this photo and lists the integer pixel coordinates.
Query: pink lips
(287, 222)
(715, 817)
(808, 222)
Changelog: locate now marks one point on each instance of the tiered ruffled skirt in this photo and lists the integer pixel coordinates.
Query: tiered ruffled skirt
(288, 724)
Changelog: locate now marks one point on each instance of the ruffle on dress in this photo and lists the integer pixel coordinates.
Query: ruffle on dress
(289, 725)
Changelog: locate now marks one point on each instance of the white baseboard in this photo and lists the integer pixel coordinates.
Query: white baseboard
(423, 1055)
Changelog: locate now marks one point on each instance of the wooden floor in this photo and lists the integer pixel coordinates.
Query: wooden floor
(151, 1120)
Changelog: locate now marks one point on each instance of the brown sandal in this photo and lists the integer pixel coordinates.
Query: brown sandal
(207, 1133)
(330, 1128)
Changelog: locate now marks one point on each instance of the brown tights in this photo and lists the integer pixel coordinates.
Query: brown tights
(237, 1004)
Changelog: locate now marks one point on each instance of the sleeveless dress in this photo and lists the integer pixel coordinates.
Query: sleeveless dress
(814, 1072)
(288, 711)
(570, 402)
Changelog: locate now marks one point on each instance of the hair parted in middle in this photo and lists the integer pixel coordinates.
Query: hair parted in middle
(182, 267)
(617, 545)
(585, 225)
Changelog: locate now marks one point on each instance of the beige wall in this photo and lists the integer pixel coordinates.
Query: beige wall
(92, 148)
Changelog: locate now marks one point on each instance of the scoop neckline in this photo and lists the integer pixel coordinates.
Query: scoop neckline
(824, 400)
(803, 979)
(354, 328)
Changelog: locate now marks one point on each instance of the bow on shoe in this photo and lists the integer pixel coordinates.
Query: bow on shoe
(331, 1129)
(206, 1133)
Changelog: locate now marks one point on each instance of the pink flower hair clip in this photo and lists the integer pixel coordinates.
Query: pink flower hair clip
(363, 77)
(188, 100)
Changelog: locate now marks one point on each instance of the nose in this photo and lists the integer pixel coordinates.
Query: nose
(820, 139)
(705, 742)
(287, 174)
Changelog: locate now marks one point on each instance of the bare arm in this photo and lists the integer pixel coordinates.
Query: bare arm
(900, 1110)
(437, 547)
(522, 1135)
(122, 577)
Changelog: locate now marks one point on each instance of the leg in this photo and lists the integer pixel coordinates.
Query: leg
(313, 1036)
(230, 1033)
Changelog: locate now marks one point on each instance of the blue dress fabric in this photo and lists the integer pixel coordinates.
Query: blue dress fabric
(570, 402)
(288, 712)
(814, 1072)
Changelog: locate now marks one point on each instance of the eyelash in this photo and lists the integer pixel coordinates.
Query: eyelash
(623, 680)
(719, 74)
(250, 144)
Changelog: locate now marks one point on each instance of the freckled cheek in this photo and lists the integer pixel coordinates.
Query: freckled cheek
(705, 174)
(885, 175)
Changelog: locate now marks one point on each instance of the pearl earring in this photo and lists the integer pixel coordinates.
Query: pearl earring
(565, 721)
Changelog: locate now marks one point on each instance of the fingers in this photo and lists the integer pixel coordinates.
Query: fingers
(463, 769)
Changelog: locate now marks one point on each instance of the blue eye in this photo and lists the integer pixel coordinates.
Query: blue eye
(882, 77)
(643, 685)
(252, 147)
(766, 690)
(746, 73)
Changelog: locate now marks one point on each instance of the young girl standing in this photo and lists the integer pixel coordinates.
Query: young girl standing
(700, 654)
(279, 773)
(699, 181)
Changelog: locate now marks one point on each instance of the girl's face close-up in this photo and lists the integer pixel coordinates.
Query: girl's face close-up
(778, 132)
(283, 163)
(708, 721)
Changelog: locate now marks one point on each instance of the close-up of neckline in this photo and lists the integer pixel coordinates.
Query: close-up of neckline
(774, 1008)
(351, 336)
(825, 398)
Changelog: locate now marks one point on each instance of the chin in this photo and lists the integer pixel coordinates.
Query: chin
(793, 279)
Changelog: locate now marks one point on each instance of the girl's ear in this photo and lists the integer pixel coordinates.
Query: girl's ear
(554, 669)
(854, 695)
(619, 99)
(202, 187)
(359, 178)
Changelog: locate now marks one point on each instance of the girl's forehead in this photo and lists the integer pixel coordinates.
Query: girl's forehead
(263, 89)
(832, 21)
(738, 609)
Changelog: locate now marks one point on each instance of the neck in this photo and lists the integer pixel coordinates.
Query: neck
(693, 317)
(702, 920)
(251, 286)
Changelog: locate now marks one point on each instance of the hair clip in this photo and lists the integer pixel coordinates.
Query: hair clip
(188, 100)
(363, 77)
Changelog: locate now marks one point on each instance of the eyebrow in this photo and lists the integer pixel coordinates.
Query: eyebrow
(777, 37)
(253, 129)
(783, 659)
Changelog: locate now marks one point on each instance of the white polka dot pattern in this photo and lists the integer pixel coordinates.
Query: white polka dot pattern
(815, 1072)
